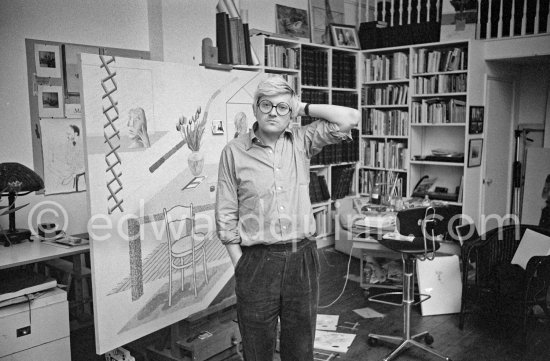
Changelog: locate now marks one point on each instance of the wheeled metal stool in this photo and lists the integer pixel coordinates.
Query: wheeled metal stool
(422, 248)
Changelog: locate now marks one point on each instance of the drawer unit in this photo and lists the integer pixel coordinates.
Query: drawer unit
(40, 328)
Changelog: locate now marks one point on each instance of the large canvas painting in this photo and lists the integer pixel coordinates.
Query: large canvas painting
(153, 136)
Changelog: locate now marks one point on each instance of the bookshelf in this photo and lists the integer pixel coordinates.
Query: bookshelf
(385, 84)
(414, 101)
(438, 127)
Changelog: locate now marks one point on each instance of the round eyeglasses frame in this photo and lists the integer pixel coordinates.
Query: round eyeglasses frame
(266, 103)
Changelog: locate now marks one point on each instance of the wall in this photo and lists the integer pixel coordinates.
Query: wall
(112, 23)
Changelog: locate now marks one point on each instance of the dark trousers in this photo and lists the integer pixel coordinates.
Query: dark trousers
(278, 281)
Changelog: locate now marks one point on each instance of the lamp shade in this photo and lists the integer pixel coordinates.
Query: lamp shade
(16, 178)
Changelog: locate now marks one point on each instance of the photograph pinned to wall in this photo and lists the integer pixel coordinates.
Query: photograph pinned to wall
(71, 70)
(50, 101)
(322, 14)
(476, 120)
(217, 127)
(344, 36)
(63, 155)
(474, 153)
(293, 22)
(47, 61)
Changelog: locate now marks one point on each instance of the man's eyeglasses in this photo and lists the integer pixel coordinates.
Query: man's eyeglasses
(266, 106)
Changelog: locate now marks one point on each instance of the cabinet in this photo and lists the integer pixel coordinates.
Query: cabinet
(39, 331)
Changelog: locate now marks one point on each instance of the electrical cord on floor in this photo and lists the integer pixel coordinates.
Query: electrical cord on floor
(345, 283)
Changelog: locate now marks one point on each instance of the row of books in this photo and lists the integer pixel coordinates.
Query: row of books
(391, 94)
(425, 61)
(386, 67)
(382, 180)
(282, 57)
(442, 83)
(385, 122)
(390, 155)
(318, 188)
(345, 99)
(314, 96)
(233, 41)
(314, 67)
(438, 111)
(342, 181)
(343, 152)
(343, 70)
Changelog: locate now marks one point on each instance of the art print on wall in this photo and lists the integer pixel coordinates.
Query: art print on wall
(63, 155)
(474, 153)
(47, 61)
(153, 151)
(50, 101)
(476, 120)
(292, 22)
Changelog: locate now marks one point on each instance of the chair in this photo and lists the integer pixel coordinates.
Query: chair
(184, 244)
(497, 287)
(421, 223)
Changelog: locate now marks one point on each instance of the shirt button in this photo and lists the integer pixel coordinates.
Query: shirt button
(284, 227)
(270, 151)
(279, 188)
(281, 208)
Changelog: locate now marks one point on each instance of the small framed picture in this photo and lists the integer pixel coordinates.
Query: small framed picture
(476, 120)
(217, 127)
(50, 101)
(344, 36)
(474, 153)
(47, 61)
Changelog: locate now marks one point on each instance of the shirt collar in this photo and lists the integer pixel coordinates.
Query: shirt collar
(253, 138)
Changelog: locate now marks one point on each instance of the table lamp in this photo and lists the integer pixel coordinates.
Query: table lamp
(16, 180)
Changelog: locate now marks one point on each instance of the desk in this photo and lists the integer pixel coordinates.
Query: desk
(31, 252)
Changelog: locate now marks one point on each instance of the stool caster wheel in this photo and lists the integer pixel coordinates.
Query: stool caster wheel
(373, 342)
(428, 339)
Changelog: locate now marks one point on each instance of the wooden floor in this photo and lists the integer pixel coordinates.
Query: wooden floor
(480, 340)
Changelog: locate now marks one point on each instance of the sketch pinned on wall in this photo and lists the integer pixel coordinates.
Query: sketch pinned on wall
(47, 61)
(50, 101)
(71, 70)
(63, 154)
(131, 285)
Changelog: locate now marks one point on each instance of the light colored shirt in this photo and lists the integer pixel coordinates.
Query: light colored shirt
(263, 193)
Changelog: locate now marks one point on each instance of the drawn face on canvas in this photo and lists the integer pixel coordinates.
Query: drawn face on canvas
(137, 128)
(272, 122)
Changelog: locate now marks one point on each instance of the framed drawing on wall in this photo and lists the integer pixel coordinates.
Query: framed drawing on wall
(50, 101)
(344, 36)
(293, 22)
(476, 120)
(474, 153)
(47, 61)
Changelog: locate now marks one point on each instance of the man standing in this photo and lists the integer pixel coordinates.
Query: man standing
(265, 219)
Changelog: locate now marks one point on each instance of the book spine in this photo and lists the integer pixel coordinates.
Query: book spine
(223, 38)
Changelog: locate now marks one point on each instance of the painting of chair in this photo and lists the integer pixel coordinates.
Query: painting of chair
(185, 246)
